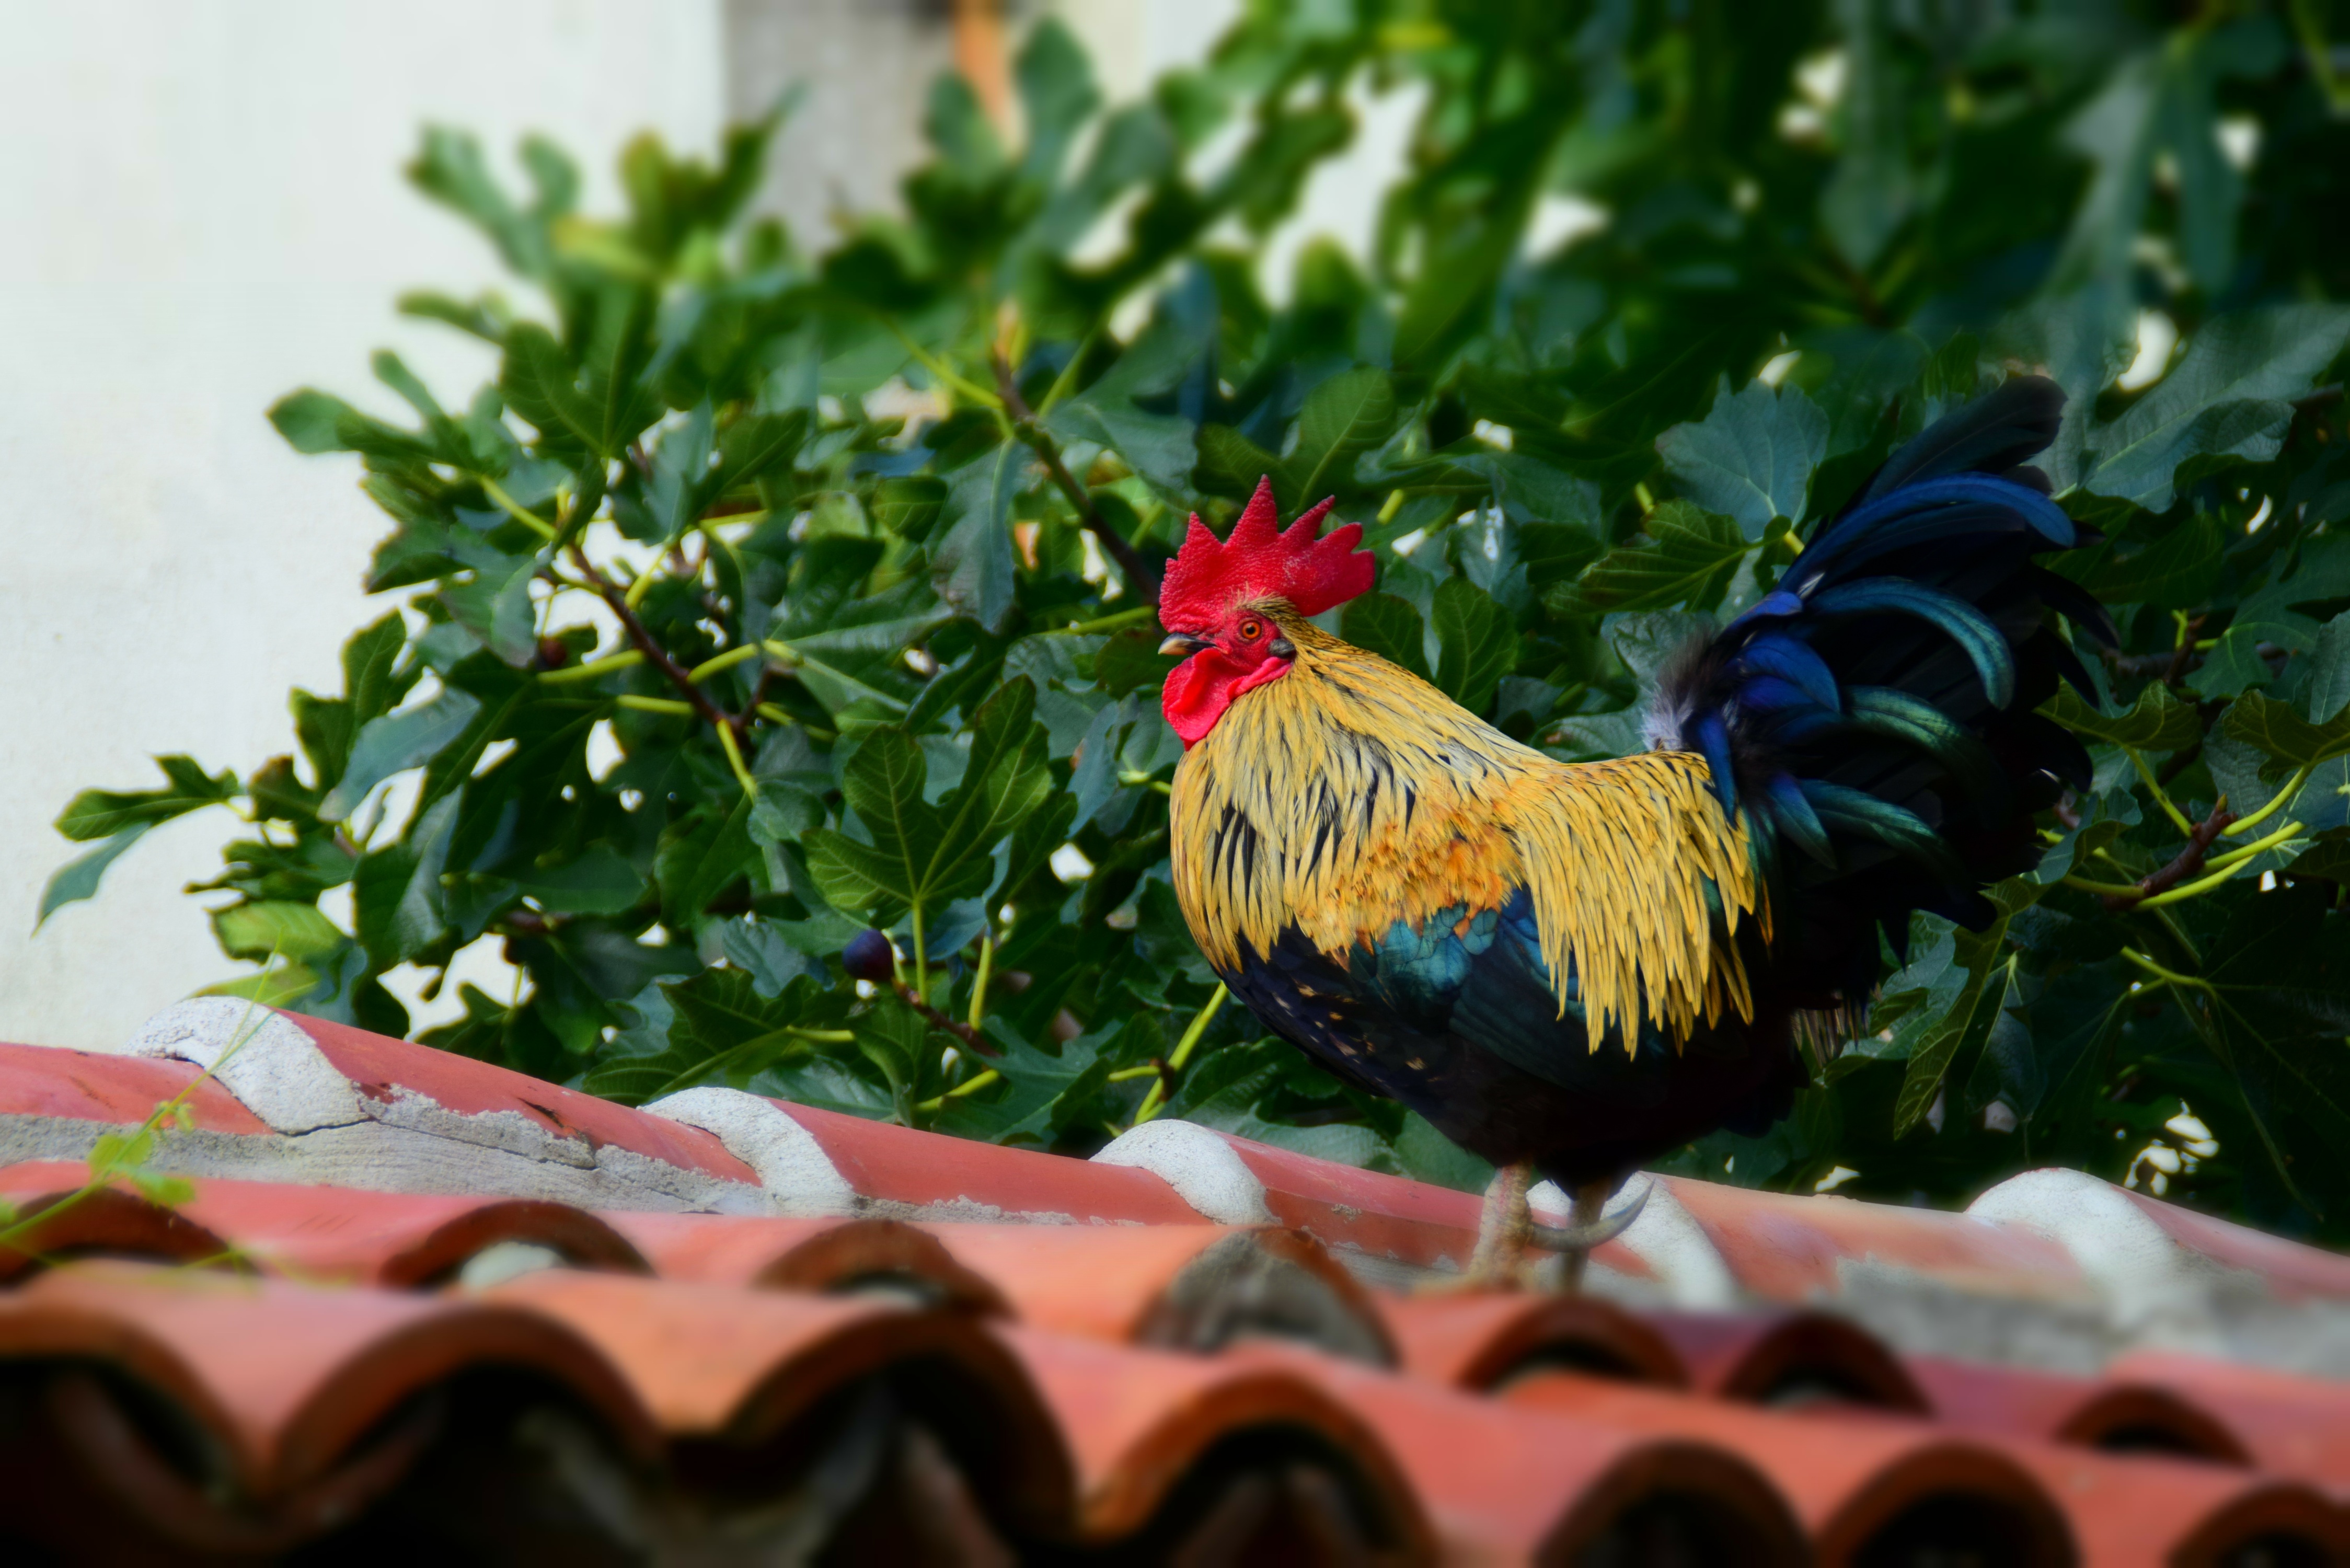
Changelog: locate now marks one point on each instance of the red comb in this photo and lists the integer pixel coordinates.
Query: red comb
(1261, 560)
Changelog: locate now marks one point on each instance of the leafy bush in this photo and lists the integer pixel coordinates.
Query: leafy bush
(849, 555)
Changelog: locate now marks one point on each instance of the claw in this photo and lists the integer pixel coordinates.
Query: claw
(1584, 1237)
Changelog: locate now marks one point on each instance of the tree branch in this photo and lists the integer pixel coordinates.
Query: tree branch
(2184, 651)
(655, 654)
(1139, 576)
(2170, 664)
(2186, 863)
(964, 1031)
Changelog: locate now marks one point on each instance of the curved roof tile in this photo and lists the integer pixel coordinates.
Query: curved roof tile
(811, 1254)
(1862, 1488)
(2111, 1413)
(1789, 1358)
(1182, 1287)
(734, 1314)
(1481, 1340)
(1140, 1423)
(287, 1377)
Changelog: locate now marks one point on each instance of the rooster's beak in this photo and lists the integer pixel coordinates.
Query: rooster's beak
(1183, 646)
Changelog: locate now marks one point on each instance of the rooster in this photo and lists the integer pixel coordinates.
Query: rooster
(1570, 969)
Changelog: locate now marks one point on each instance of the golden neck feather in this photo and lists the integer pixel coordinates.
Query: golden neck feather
(1350, 794)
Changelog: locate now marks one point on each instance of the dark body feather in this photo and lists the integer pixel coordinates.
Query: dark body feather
(1466, 1030)
(1587, 965)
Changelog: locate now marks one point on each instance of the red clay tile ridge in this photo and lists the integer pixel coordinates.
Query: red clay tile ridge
(55, 1102)
(816, 1162)
(344, 1107)
(1390, 1231)
(800, 1177)
(2051, 1268)
(318, 1234)
(2174, 1279)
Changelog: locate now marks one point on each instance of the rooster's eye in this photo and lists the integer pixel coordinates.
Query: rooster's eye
(1251, 631)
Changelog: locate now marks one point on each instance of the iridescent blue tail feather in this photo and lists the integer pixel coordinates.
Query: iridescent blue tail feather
(1875, 713)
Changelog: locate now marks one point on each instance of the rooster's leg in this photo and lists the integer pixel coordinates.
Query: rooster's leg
(1589, 1224)
(1583, 1215)
(1503, 1229)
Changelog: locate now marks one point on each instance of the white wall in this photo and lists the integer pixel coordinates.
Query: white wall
(203, 210)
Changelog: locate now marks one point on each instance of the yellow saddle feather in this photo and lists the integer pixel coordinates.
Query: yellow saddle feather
(1350, 794)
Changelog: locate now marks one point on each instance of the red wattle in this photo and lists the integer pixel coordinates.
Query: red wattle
(1199, 690)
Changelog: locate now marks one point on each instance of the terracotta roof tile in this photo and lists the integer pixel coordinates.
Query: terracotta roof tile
(714, 1363)
(2150, 1510)
(40, 1081)
(1508, 1482)
(1859, 1486)
(1151, 1428)
(806, 1254)
(2133, 1246)
(322, 1234)
(323, 1103)
(2111, 1412)
(2293, 1425)
(1787, 1249)
(287, 1377)
(1183, 1287)
(1384, 1218)
(1478, 1341)
(396, 1074)
(817, 1162)
(1788, 1358)
(111, 1222)
(1194, 1346)
(2289, 1268)
(1862, 1483)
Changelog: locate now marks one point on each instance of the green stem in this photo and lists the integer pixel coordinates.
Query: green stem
(945, 373)
(2191, 981)
(2243, 853)
(726, 660)
(986, 968)
(2181, 894)
(643, 585)
(1184, 1047)
(1155, 1101)
(2106, 889)
(726, 743)
(520, 513)
(627, 658)
(970, 1086)
(2284, 796)
(1067, 378)
(166, 1113)
(774, 715)
(921, 956)
(1128, 1075)
(655, 705)
(2154, 787)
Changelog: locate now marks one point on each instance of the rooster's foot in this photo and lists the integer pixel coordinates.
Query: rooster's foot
(1508, 1232)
